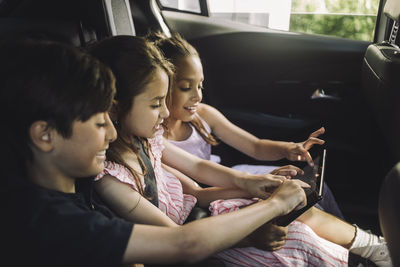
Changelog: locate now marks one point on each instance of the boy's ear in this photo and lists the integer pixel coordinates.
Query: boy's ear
(41, 135)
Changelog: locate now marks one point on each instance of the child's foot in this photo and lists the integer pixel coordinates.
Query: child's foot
(378, 253)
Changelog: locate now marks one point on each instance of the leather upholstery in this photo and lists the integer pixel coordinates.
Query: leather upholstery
(381, 83)
(392, 9)
(62, 31)
(389, 212)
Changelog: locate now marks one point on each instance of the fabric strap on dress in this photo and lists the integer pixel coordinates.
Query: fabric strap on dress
(150, 181)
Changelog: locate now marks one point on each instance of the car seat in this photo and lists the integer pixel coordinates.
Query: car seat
(70, 32)
(381, 83)
(389, 212)
(67, 21)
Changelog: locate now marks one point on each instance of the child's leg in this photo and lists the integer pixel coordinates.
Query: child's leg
(358, 241)
(329, 227)
(328, 202)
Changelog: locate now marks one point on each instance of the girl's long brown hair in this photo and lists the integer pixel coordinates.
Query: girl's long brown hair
(133, 60)
(175, 47)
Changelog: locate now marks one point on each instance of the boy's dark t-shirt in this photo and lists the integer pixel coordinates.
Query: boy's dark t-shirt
(44, 227)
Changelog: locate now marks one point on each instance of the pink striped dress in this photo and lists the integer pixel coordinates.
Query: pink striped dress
(171, 199)
(302, 248)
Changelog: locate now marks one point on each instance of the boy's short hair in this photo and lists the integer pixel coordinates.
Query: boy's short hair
(49, 81)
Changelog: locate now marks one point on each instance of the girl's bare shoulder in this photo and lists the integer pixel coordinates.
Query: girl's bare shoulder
(205, 110)
(208, 113)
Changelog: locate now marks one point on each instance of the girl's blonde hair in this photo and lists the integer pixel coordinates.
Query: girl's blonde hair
(133, 60)
(175, 47)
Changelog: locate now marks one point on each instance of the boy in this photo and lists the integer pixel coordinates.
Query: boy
(55, 101)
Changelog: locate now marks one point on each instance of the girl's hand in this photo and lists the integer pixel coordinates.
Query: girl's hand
(259, 185)
(269, 237)
(299, 151)
(288, 170)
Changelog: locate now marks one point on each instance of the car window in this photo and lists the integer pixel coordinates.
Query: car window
(353, 19)
(185, 5)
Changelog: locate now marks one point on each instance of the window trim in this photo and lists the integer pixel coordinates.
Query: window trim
(204, 11)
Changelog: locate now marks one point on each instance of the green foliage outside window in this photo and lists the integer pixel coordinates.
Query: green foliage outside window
(354, 19)
(353, 27)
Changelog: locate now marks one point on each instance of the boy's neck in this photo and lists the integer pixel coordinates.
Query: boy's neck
(45, 175)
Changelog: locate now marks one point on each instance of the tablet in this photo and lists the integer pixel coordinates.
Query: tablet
(314, 176)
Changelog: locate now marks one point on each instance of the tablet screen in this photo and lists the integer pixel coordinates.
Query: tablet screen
(314, 176)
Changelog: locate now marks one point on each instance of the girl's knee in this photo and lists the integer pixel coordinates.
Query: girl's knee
(308, 215)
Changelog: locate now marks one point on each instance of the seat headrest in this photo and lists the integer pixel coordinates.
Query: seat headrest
(62, 31)
(392, 9)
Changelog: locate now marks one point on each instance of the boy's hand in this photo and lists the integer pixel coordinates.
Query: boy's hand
(299, 151)
(290, 196)
(287, 170)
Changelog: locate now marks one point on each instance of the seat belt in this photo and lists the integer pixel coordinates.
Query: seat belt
(150, 181)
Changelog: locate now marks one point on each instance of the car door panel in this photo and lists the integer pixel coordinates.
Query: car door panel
(275, 72)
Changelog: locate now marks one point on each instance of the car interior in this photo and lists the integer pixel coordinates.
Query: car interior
(276, 84)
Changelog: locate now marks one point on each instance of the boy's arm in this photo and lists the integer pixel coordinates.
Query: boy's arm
(199, 239)
(206, 195)
(261, 149)
(268, 237)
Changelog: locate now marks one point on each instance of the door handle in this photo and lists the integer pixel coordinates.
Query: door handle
(320, 94)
